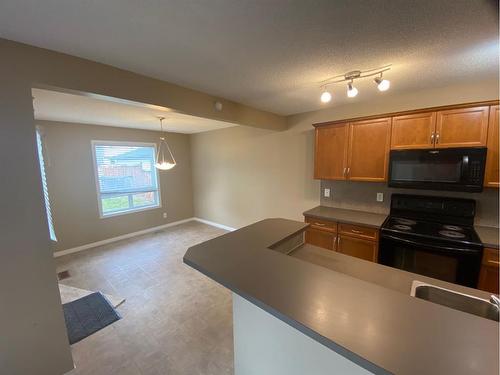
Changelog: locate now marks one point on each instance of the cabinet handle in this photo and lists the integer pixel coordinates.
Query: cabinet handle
(320, 224)
(348, 171)
(432, 138)
(437, 138)
(497, 263)
(345, 170)
(356, 231)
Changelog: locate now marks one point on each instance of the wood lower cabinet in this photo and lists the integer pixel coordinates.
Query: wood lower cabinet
(462, 127)
(330, 160)
(491, 178)
(354, 240)
(321, 233)
(358, 247)
(489, 275)
(321, 238)
(368, 152)
(413, 131)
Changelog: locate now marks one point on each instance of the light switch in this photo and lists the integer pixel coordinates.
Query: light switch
(327, 193)
(380, 197)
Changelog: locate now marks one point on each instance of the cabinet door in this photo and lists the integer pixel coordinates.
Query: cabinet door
(491, 178)
(464, 127)
(357, 247)
(369, 143)
(321, 238)
(488, 277)
(413, 131)
(330, 161)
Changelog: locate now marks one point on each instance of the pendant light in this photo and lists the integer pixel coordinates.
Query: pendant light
(164, 158)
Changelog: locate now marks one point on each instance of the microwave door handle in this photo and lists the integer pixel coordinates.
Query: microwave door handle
(465, 167)
(428, 245)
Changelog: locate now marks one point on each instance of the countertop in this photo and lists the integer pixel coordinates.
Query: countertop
(347, 216)
(488, 236)
(381, 329)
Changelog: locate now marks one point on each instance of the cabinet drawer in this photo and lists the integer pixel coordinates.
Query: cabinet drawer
(358, 247)
(359, 231)
(491, 258)
(330, 226)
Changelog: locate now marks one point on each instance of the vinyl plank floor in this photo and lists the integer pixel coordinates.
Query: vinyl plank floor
(174, 320)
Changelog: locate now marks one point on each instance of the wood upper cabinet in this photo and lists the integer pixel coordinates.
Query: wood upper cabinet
(491, 178)
(462, 127)
(368, 151)
(413, 131)
(489, 275)
(358, 247)
(330, 160)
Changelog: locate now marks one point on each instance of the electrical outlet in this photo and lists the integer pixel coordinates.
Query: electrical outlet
(326, 193)
(164, 215)
(380, 197)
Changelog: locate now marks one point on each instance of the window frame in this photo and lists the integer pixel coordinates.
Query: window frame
(95, 143)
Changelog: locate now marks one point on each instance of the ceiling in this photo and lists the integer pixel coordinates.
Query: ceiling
(270, 54)
(64, 107)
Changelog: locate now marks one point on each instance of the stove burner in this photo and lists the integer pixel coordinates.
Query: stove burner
(402, 227)
(451, 234)
(406, 221)
(453, 227)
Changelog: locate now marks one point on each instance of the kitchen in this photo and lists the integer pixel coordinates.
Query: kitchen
(403, 277)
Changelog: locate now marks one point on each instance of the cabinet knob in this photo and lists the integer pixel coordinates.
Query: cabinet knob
(432, 138)
(437, 138)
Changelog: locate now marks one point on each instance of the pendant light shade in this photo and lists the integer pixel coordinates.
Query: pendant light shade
(164, 157)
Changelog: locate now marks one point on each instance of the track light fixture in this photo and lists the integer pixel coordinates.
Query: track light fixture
(349, 77)
(382, 84)
(326, 96)
(351, 90)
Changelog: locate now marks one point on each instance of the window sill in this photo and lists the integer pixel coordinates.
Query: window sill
(135, 210)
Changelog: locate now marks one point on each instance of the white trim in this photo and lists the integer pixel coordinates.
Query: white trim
(122, 237)
(138, 233)
(221, 226)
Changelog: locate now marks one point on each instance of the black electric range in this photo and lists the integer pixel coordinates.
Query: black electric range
(432, 236)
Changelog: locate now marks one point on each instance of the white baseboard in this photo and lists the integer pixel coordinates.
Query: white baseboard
(138, 233)
(122, 237)
(221, 226)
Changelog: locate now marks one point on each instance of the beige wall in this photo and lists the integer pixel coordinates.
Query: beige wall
(72, 186)
(33, 336)
(241, 175)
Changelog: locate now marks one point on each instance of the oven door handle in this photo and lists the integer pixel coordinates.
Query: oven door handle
(446, 248)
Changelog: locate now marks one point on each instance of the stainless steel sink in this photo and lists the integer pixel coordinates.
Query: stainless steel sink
(458, 301)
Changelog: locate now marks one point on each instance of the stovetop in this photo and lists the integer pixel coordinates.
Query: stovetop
(452, 233)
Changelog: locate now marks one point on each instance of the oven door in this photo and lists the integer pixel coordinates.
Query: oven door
(460, 169)
(455, 265)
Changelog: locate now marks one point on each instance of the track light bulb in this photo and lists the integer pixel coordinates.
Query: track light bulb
(326, 97)
(351, 90)
(382, 84)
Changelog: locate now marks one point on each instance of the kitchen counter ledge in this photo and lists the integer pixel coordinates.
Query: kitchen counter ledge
(382, 330)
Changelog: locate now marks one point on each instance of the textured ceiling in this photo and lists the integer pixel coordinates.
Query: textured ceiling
(270, 54)
(57, 106)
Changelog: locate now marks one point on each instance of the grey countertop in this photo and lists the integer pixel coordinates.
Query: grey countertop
(347, 216)
(378, 327)
(488, 236)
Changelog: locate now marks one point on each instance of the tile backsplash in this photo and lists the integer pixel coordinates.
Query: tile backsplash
(362, 196)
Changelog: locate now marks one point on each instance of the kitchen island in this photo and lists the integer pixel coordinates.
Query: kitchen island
(361, 320)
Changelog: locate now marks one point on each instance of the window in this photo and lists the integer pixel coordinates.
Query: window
(40, 148)
(126, 177)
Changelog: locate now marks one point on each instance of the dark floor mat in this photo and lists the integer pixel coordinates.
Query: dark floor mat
(88, 315)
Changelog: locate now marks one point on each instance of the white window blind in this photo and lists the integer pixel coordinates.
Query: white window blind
(126, 177)
(39, 144)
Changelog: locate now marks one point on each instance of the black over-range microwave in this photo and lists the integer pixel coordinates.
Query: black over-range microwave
(458, 169)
